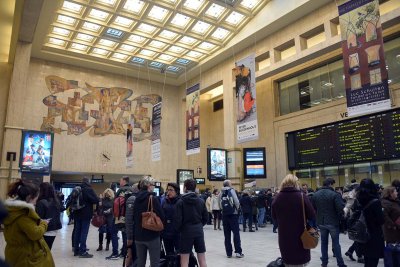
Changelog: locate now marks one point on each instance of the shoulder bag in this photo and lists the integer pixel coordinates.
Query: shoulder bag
(310, 236)
(150, 220)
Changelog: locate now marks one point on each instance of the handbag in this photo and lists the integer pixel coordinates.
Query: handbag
(310, 236)
(150, 220)
(98, 220)
(276, 263)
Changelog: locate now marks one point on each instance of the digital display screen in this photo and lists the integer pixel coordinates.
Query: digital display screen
(367, 138)
(36, 152)
(217, 164)
(157, 191)
(254, 162)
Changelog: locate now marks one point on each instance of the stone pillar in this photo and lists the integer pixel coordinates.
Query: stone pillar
(15, 114)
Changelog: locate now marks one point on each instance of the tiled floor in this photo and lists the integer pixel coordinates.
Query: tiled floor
(259, 248)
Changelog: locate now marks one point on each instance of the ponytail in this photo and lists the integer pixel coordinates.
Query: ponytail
(22, 190)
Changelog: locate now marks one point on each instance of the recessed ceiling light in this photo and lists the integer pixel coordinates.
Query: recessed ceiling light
(180, 20)
(147, 53)
(201, 27)
(72, 7)
(158, 13)
(84, 37)
(194, 54)
(176, 49)
(61, 31)
(123, 21)
(168, 34)
(136, 38)
(157, 44)
(235, 18)
(220, 33)
(80, 47)
(106, 42)
(250, 4)
(91, 26)
(187, 40)
(215, 11)
(193, 4)
(146, 28)
(128, 48)
(134, 6)
(166, 57)
(119, 56)
(57, 42)
(98, 14)
(100, 51)
(206, 46)
(66, 20)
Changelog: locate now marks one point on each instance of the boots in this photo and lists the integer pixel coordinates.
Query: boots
(100, 248)
(108, 245)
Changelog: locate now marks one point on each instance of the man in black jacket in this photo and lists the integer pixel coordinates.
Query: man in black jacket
(82, 219)
(190, 217)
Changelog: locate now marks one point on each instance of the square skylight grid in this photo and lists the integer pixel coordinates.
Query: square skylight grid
(61, 31)
(234, 18)
(136, 38)
(134, 6)
(201, 27)
(114, 33)
(220, 33)
(99, 51)
(122, 21)
(194, 54)
(187, 40)
(177, 49)
(80, 47)
(98, 14)
(84, 37)
(166, 57)
(168, 34)
(249, 4)
(66, 20)
(206, 46)
(107, 43)
(128, 48)
(107, 2)
(147, 53)
(158, 13)
(91, 26)
(180, 20)
(119, 56)
(72, 7)
(146, 28)
(157, 44)
(58, 42)
(215, 11)
(193, 4)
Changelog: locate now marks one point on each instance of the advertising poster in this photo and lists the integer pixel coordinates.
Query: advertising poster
(244, 73)
(129, 145)
(156, 133)
(193, 120)
(217, 165)
(366, 77)
(36, 152)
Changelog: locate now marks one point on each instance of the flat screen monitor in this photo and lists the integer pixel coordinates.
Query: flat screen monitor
(254, 163)
(217, 168)
(157, 191)
(182, 175)
(36, 152)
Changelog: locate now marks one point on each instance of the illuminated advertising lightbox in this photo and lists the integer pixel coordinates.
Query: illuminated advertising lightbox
(217, 164)
(254, 163)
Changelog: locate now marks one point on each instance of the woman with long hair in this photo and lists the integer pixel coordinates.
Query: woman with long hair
(24, 230)
(287, 211)
(48, 207)
(391, 212)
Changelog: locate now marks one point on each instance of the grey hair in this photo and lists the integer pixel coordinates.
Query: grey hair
(227, 183)
(146, 182)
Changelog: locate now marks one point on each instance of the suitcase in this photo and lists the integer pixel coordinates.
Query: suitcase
(392, 255)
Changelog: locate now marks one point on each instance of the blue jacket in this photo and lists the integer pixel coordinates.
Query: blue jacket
(328, 205)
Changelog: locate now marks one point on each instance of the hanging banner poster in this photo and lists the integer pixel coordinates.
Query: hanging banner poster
(366, 77)
(129, 145)
(156, 133)
(247, 125)
(193, 120)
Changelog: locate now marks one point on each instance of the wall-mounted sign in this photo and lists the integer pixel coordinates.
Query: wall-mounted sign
(97, 180)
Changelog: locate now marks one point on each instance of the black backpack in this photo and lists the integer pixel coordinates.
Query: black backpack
(227, 204)
(77, 202)
(358, 231)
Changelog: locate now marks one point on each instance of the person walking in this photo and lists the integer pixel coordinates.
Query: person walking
(329, 207)
(82, 219)
(229, 204)
(190, 217)
(24, 230)
(146, 240)
(287, 211)
(48, 207)
(367, 196)
(216, 210)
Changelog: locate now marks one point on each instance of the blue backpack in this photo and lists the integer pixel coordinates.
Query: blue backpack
(227, 203)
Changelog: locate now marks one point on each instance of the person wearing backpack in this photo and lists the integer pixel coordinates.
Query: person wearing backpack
(367, 196)
(83, 215)
(229, 204)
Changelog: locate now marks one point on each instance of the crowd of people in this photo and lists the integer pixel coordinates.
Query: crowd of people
(32, 220)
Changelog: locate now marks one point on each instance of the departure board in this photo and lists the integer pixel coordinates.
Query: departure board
(366, 138)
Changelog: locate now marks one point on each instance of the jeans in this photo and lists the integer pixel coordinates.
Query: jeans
(334, 231)
(247, 217)
(231, 223)
(261, 216)
(81, 232)
(114, 238)
(154, 251)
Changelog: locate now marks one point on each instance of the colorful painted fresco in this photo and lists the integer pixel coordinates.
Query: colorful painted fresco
(100, 111)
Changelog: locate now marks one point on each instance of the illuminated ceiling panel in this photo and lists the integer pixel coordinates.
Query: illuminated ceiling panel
(179, 34)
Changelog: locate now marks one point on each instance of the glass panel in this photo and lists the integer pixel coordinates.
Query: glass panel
(331, 172)
(362, 170)
(392, 57)
(380, 173)
(346, 174)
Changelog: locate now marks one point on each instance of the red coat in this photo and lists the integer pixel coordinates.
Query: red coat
(288, 213)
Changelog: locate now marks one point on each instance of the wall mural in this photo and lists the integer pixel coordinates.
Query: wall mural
(99, 110)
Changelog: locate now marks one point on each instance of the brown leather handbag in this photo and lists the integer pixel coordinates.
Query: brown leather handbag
(310, 235)
(150, 220)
